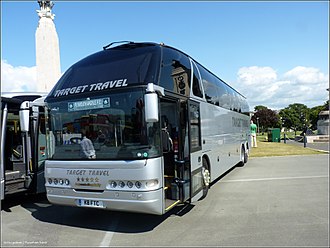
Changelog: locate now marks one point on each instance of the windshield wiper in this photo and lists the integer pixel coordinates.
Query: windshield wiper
(117, 42)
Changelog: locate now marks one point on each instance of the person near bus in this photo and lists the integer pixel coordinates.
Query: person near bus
(253, 130)
(86, 147)
(166, 137)
(101, 137)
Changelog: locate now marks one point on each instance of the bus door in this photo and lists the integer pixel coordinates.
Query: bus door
(4, 112)
(13, 152)
(193, 138)
(176, 168)
(182, 161)
(40, 152)
(32, 122)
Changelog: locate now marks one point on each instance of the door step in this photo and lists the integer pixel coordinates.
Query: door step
(14, 186)
(170, 204)
(13, 175)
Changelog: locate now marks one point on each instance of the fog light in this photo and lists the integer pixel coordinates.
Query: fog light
(113, 184)
(129, 184)
(138, 184)
(121, 184)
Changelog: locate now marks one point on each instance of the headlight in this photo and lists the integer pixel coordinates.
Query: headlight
(152, 183)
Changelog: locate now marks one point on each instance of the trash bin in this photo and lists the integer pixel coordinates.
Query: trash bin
(274, 135)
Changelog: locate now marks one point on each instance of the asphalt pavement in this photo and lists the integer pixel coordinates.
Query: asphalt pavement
(270, 202)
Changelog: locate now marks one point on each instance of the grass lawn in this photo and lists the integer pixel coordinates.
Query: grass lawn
(266, 148)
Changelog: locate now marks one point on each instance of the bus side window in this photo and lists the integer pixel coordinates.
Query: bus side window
(222, 95)
(196, 89)
(175, 72)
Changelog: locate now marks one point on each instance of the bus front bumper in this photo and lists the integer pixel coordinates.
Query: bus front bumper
(150, 202)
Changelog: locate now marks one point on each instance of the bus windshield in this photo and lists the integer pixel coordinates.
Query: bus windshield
(109, 70)
(113, 122)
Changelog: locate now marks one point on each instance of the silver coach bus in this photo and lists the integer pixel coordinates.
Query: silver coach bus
(161, 126)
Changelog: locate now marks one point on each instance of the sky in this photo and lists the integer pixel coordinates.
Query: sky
(275, 53)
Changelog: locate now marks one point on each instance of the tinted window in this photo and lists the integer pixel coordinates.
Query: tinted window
(219, 93)
(211, 92)
(223, 95)
(115, 125)
(175, 72)
(231, 99)
(109, 69)
(196, 88)
(210, 86)
(195, 124)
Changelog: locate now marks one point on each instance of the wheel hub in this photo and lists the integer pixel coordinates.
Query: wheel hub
(206, 177)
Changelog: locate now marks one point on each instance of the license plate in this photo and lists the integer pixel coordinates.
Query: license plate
(90, 203)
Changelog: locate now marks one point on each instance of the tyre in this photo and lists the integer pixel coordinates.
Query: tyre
(206, 178)
(244, 156)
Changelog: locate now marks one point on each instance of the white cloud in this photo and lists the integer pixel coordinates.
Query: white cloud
(306, 75)
(263, 86)
(255, 75)
(18, 79)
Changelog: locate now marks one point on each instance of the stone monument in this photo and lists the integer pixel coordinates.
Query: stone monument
(323, 123)
(47, 48)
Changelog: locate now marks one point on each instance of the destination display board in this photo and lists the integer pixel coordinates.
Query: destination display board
(89, 104)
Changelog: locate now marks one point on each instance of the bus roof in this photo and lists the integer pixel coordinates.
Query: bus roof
(129, 44)
(23, 96)
(15, 99)
(141, 66)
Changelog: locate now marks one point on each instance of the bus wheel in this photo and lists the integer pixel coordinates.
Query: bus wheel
(206, 178)
(244, 156)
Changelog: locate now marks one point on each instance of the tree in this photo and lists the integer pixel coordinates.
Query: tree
(295, 116)
(265, 118)
(314, 116)
(259, 107)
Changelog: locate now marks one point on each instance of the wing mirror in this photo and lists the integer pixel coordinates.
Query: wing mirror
(151, 102)
(24, 115)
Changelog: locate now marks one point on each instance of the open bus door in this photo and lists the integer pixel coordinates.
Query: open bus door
(183, 168)
(21, 140)
(13, 149)
(176, 164)
(33, 131)
(181, 182)
(195, 151)
(4, 113)
(40, 153)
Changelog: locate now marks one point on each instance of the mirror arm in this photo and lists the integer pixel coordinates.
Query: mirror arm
(155, 88)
